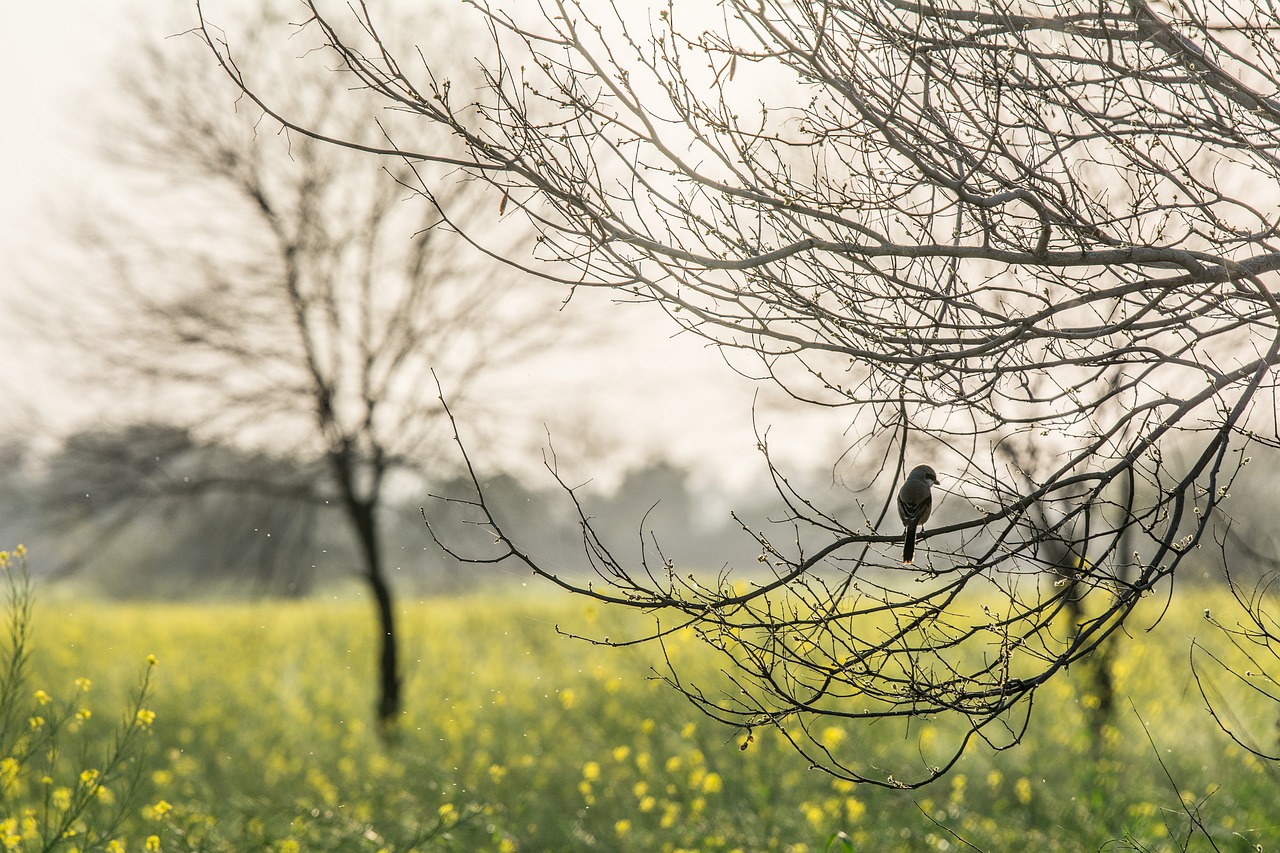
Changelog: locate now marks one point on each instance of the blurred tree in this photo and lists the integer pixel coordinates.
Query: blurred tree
(291, 301)
(159, 513)
(1032, 244)
(15, 488)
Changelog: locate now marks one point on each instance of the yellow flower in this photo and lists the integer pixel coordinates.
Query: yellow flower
(159, 810)
(622, 827)
(447, 812)
(114, 846)
(1143, 810)
(36, 722)
(712, 783)
(620, 753)
(84, 684)
(43, 698)
(153, 844)
(89, 778)
(568, 698)
(21, 550)
(61, 798)
(151, 660)
(1022, 790)
(145, 718)
(591, 771)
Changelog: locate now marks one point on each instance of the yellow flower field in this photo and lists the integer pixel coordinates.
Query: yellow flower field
(257, 734)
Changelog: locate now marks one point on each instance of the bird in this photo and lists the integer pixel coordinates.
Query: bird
(915, 503)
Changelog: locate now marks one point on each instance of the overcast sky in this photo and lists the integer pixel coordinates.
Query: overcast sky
(645, 396)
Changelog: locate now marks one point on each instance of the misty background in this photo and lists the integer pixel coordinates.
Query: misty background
(660, 433)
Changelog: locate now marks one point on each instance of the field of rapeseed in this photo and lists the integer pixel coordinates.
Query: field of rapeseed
(254, 734)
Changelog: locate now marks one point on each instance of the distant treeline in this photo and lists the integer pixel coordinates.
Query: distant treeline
(151, 511)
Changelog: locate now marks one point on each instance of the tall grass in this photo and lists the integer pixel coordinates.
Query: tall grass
(67, 781)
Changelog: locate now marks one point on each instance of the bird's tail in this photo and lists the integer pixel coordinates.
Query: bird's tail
(909, 546)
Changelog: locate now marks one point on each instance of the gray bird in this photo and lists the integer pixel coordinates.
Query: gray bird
(915, 502)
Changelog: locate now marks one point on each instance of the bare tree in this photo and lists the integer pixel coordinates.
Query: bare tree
(292, 302)
(1032, 244)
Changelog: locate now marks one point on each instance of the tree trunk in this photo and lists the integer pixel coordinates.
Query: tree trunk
(362, 516)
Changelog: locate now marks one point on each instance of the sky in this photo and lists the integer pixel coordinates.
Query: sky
(645, 396)
(43, 51)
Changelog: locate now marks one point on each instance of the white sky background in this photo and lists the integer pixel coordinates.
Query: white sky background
(645, 396)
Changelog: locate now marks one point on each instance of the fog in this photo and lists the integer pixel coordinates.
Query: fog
(639, 397)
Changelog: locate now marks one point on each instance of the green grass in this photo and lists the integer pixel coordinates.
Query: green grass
(516, 738)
